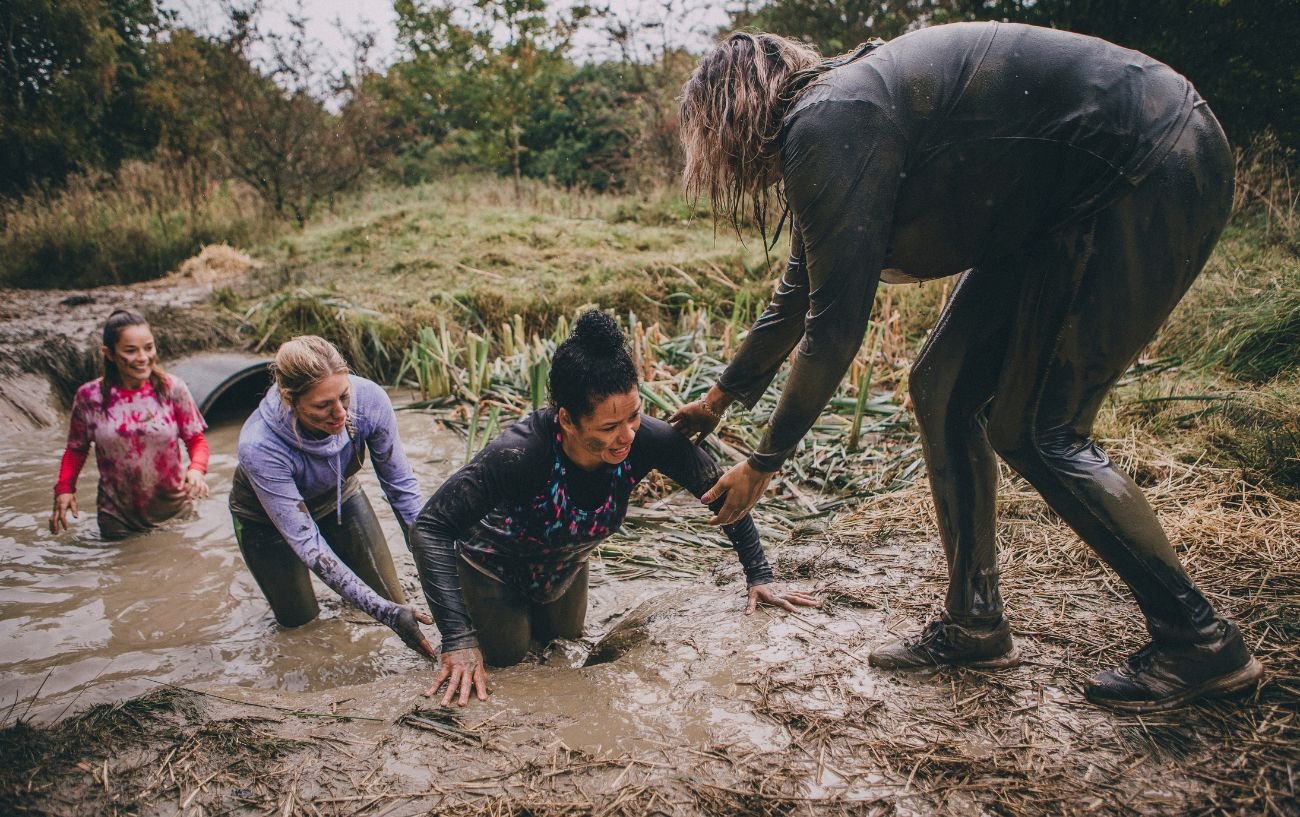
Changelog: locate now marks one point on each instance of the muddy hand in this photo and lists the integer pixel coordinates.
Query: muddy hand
(778, 596)
(694, 420)
(407, 627)
(196, 484)
(742, 485)
(463, 672)
(63, 504)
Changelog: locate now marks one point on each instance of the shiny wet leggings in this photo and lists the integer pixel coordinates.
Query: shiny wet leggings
(506, 623)
(284, 579)
(1023, 356)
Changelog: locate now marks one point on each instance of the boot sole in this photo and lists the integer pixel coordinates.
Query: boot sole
(1237, 681)
(1003, 661)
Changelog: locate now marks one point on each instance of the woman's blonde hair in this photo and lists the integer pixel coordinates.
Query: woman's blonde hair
(302, 362)
(731, 114)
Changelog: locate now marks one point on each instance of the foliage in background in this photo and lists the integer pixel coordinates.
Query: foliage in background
(72, 79)
(136, 225)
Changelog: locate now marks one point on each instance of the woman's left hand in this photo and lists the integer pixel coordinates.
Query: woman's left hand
(195, 484)
(778, 596)
(407, 627)
(742, 486)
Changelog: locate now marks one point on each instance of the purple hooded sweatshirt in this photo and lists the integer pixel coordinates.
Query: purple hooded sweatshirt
(289, 479)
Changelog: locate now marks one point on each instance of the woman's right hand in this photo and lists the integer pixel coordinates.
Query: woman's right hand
(63, 503)
(694, 420)
(463, 672)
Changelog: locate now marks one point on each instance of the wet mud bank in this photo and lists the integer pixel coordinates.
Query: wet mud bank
(51, 339)
(690, 707)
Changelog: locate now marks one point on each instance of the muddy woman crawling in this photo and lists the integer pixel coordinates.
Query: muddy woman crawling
(502, 547)
(1078, 188)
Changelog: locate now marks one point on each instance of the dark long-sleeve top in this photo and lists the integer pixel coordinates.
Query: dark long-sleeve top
(502, 512)
(931, 154)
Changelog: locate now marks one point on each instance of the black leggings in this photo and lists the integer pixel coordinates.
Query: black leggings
(286, 582)
(1021, 359)
(507, 623)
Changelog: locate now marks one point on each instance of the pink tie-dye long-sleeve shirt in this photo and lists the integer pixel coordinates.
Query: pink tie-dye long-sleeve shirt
(137, 439)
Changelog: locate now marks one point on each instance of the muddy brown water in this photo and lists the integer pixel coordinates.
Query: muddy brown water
(85, 621)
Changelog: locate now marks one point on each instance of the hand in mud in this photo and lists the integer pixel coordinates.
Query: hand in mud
(195, 485)
(463, 671)
(407, 628)
(742, 485)
(63, 503)
(778, 596)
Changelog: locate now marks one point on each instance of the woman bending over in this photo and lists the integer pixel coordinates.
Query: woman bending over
(297, 502)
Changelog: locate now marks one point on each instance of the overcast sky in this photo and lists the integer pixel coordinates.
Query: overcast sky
(688, 22)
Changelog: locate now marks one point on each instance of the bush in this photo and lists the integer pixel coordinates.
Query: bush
(133, 226)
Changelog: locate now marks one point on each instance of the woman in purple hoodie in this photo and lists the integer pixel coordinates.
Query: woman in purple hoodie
(296, 500)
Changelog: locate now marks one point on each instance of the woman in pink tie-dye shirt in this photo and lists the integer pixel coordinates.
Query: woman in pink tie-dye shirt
(136, 416)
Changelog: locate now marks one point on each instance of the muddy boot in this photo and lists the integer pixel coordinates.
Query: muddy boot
(1156, 678)
(943, 643)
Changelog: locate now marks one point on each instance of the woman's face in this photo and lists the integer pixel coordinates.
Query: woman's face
(605, 436)
(133, 355)
(324, 407)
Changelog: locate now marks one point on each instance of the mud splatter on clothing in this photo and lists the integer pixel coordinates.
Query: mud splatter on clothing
(137, 439)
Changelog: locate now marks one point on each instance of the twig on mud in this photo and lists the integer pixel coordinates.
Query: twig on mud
(299, 712)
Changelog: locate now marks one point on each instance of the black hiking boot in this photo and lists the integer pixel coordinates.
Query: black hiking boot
(1157, 678)
(943, 643)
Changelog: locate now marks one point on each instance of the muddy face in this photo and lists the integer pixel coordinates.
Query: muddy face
(605, 436)
(323, 408)
(133, 355)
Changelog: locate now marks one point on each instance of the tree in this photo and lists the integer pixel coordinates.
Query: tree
(71, 72)
(273, 128)
(480, 73)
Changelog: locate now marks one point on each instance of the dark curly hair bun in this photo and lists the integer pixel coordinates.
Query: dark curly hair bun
(591, 364)
(598, 333)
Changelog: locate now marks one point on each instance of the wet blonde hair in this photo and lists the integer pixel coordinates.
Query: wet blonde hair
(731, 114)
(301, 363)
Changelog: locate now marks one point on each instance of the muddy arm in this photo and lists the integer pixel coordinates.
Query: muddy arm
(691, 467)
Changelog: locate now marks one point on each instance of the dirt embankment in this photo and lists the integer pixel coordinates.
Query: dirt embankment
(51, 338)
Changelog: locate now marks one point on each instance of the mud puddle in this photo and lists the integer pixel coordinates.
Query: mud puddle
(84, 621)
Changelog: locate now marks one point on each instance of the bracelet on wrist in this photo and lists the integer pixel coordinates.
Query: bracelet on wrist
(709, 410)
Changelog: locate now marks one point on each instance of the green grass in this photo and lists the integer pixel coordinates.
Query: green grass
(466, 250)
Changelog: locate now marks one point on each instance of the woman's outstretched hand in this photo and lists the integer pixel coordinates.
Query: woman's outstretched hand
(407, 628)
(694, 420)
(463, 672)
(698, 418)
(742, 486)
(63, 505)
(778, 596)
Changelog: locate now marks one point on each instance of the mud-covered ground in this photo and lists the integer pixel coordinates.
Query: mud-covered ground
(706, 711)
(702, 710)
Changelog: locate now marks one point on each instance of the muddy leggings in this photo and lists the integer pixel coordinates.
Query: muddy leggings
(285, 581)
(1021, 359)
(507, 623)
